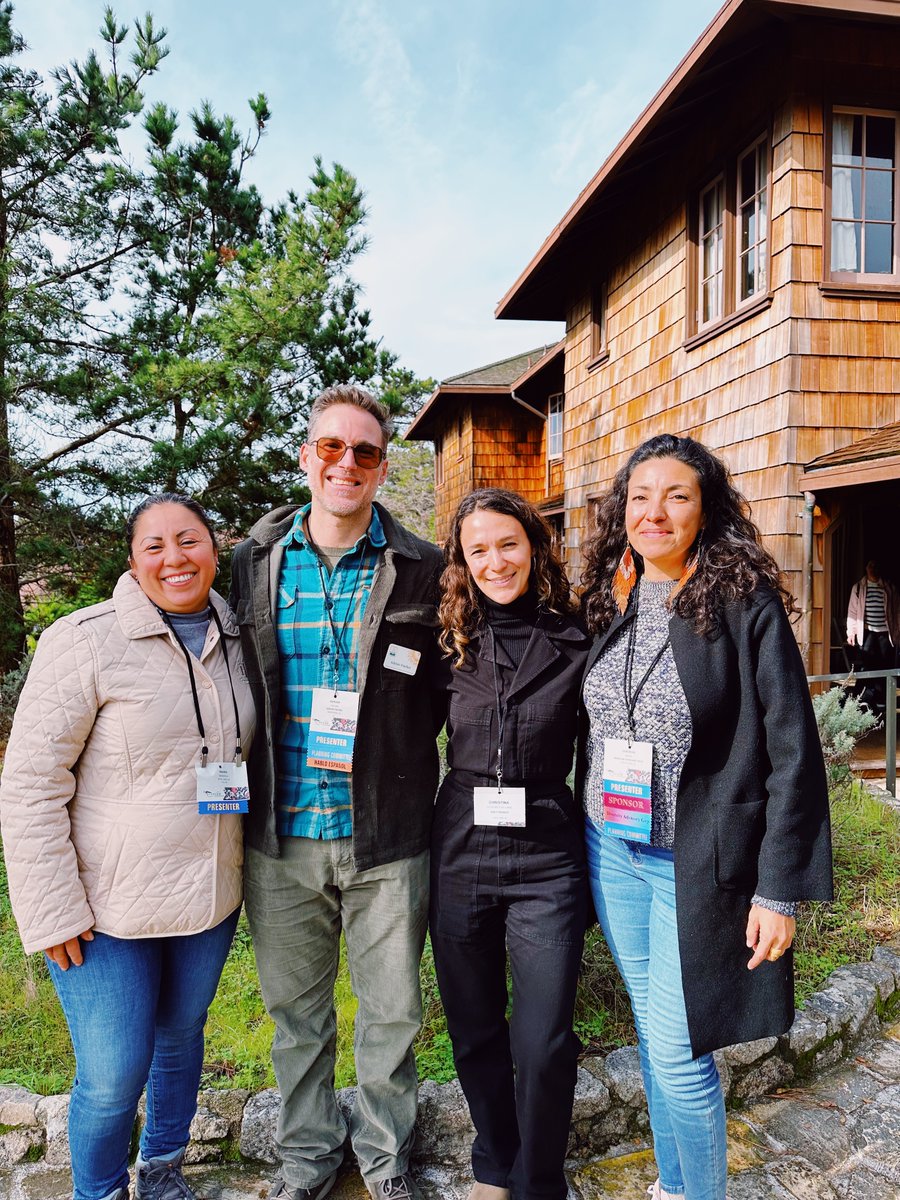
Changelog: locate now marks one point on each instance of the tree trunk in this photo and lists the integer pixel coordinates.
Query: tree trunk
(12, 618)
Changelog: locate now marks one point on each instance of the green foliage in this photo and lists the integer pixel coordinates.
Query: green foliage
(408, 490)
(10, 689)
(41, 613)
(842, 720)
(161, 326)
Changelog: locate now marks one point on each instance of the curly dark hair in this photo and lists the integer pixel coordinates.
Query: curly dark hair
(460, 609)
(732, 560)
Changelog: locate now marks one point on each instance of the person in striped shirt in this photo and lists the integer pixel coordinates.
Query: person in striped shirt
(873, 624)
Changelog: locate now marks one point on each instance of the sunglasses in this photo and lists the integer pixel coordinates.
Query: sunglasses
(333, 449)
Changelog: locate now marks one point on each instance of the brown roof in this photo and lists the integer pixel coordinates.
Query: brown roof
(540, 291)
(503, 373)
(872, 458)
(497, 378)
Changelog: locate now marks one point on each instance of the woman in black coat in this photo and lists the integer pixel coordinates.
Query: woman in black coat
(508, 869)
(704, 786)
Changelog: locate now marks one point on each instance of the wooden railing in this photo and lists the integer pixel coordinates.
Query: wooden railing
(891, 679)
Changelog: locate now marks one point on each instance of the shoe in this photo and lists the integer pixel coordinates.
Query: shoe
(488, 1191)
(161, 1179)
(401, 1187)
(119, 1194)
(656, 1191)
(316, 1192)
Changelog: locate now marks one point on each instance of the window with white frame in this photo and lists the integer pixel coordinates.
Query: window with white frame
(752, 221)
(731, 238)
(711, 246)
(555, 411)
(864, 195)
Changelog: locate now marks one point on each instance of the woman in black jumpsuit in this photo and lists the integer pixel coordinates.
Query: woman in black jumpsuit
(515, 883)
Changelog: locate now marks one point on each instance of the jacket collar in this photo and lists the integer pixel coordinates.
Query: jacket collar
(139, 617)
(550, 633)
(275, 526)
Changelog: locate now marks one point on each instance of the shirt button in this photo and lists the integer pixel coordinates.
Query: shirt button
(207, 683)
(324, 784)
(213, 737)
(326, 649)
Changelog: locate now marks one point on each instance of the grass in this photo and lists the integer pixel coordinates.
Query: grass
(34, 1042)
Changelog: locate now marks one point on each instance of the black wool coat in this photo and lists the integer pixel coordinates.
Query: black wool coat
(751, 814)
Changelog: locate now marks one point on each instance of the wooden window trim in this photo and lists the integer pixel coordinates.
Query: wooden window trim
(862, 291)
(744, 313)
(844, 282)
(599, 332)
(439, 477)
(734, 310)
(552, 458)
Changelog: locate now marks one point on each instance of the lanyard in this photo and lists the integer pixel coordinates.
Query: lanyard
(204, 750)
(329, 607)
(501, 710)
(631, 693)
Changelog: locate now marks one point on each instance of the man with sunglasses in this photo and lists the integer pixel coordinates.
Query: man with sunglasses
(336, 603)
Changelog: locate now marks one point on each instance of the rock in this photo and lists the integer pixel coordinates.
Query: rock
(21, 1145)
(773, 1073)
(847, 1003)
(806, 1128)
(807, 1033)
(444, 1129)
(725, 1074)
(875, 1130)
(832, 1008)
(592, 1100)
(877, 974)
(745, 1053)
(889, 956)
(258, 1126)
(18, 1106)
(623, 1073)
(52, 1112)
(208, 1126)
(228, 1103)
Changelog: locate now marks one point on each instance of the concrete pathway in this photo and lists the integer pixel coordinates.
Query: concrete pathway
(836, 1139)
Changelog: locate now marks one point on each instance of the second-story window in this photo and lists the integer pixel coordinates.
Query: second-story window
(731, 239)
(864, 196)
(752, 221)
(555, 416)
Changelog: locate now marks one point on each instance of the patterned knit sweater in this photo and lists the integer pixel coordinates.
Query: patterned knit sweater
(661, 716)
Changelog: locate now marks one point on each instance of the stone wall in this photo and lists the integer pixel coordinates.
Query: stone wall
(610, 1107)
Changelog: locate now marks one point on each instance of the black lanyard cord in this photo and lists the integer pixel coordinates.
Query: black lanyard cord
(329, 605)
(204, 750)
(501, 710)
(632, 694)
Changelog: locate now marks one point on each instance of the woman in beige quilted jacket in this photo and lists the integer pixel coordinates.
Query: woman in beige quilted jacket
(120, 802)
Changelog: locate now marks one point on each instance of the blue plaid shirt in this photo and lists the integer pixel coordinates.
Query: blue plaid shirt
(311, 801)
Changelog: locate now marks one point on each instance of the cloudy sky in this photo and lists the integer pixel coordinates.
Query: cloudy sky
(472, 126)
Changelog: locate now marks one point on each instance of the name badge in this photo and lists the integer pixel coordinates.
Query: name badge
(222, 788)
(332, 729)
(402, 659)
(627, 802)
(505, 806)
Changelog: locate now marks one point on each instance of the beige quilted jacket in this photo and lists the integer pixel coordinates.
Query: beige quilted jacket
(98, 795)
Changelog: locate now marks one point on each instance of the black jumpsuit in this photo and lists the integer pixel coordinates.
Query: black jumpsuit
(523, 890)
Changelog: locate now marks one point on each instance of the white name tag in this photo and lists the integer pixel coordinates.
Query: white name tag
(402, 659)
(627, 775)
(505, 806)
(332, 729)
(222, 788)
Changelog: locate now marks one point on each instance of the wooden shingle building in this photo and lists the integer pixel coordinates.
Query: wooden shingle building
(732, 272)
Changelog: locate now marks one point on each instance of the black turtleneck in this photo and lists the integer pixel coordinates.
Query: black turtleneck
(512, 623)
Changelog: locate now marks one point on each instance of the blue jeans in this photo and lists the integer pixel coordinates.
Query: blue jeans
(633, 886)
(136, 1011)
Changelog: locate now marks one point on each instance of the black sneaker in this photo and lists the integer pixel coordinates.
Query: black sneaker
(161, 1179)
(281, 1191)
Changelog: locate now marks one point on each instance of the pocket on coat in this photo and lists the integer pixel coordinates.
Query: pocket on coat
(740, 829)
(411, 627)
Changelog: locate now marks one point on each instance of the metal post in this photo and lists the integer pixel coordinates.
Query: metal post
(806, 598)
(890, 740)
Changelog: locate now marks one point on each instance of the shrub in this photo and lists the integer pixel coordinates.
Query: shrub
(10, 689)
(842, 720)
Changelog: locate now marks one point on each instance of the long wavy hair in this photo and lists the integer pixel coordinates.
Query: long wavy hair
(460, 610)
(731, 561)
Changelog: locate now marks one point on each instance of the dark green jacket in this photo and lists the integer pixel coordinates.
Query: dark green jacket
(395, 765)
